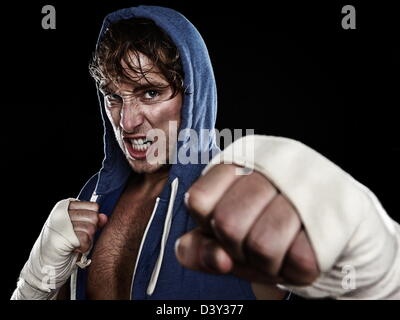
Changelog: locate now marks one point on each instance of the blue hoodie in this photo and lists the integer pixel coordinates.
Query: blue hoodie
(157, 273)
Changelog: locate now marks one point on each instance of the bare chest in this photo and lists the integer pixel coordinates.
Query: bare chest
(115, 253)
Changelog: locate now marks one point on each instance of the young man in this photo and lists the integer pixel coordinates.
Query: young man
(296, 222)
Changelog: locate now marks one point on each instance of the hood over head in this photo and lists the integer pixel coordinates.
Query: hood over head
(199, 102)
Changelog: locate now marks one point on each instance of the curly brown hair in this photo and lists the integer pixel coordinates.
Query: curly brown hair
(133, 36)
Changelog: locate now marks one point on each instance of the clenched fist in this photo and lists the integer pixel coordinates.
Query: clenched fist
(85, 221)
(246, 227)
(298, 220)
(66, 235)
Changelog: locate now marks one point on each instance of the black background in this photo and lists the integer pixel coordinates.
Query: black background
(287, 69)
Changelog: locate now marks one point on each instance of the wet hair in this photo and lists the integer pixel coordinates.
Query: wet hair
(135, 36)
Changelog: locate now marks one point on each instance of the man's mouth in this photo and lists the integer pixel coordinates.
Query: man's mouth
(140, 144)
(137, 147)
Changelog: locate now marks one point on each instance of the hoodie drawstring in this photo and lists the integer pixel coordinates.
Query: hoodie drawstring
(164, 238)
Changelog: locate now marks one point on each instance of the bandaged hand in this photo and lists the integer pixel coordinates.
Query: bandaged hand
(297, 221)
(66, 236)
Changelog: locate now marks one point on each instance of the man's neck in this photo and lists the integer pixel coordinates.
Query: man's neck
(150, 183)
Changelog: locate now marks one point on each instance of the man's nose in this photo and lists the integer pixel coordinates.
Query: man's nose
(131, 116)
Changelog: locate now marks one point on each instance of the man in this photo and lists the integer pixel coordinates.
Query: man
(296, 222)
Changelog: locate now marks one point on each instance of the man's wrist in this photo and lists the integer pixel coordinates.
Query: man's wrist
(25, 291)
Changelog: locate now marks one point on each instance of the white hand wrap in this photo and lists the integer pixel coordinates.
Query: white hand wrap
(357, 245)
(51, 260)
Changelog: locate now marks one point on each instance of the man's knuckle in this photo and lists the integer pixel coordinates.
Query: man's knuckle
(284, 204)
(72, 204)
(87, 240)
(263, 183)
(263, 250)
(225, 225)
(198, 200)
(85, 247)
(306, 264)
(71, 213)
(95, 206)
(94, 216)
(91, 229)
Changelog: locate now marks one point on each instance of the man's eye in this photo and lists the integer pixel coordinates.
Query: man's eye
(151, 94)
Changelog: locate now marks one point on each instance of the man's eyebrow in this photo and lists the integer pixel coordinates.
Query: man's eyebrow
(151, 85)
(139, 87)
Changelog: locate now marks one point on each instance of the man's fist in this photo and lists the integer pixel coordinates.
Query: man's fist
(299, 220)
(85, 221)
(65, 237)
(246, 227)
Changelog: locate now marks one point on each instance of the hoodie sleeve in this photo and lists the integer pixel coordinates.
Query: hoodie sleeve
(355, 241)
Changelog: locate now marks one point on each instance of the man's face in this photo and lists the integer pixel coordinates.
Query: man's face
(136, 108)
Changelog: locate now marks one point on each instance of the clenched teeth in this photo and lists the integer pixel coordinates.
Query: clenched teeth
(140, 144)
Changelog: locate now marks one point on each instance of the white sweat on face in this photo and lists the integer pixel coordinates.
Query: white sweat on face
(357, 245)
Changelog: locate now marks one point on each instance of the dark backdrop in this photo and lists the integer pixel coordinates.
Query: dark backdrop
(285, 69)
